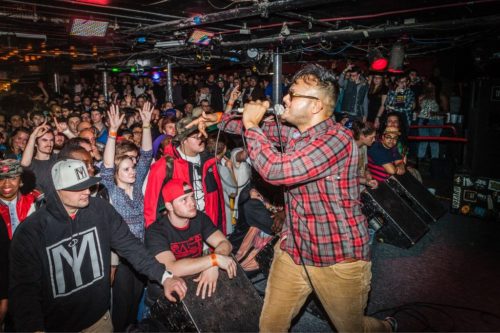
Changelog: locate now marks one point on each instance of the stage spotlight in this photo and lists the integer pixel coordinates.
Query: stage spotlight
(378, 62)
(397, 58)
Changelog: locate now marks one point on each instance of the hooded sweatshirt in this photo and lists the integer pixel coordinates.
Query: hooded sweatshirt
(60, 267)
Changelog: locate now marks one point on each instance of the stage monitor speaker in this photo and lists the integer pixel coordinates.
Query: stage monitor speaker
(399, 224)
(424, 203)
(235, 307)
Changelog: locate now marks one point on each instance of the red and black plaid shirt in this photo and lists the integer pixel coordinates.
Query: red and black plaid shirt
(319, 168)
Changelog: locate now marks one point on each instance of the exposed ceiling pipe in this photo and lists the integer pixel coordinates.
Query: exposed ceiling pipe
(34, 18)
(306, 19)
(130, 10)
(23, 35)
(373, 15)
(83, 11)
(372, 33)
(263, 8)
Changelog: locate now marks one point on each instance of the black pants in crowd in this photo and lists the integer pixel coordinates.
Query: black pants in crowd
(127, 291)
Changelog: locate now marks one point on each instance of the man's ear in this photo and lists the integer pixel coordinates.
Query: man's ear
(318, 106)
(169, 206)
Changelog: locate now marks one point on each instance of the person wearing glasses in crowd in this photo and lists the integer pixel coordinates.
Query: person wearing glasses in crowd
(401, 99)
(329, 234)
(384, 158)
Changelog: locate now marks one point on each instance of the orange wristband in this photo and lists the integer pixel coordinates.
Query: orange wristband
(213, 259)
(112, 134)
(219, 116)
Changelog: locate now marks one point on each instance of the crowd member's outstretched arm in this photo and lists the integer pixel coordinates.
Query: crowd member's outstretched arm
(115, 120)
(146, 112)
(29, 151)
(230, 124)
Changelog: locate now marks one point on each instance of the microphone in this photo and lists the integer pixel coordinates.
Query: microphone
(278, 109)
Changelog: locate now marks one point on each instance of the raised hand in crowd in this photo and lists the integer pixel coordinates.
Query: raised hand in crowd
(204, 121)
(114, 118)
(61, 127)
(29, 150)
(146, 113)
(115, 121)
(233, 97)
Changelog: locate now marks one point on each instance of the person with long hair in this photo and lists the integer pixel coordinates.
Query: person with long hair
(364, 134)
(377, 93)
(124, 177)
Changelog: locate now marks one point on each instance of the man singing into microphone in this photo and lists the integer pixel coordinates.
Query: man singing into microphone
(325, 242)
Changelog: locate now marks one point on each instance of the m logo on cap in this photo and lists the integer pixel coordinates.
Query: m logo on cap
(81, 173)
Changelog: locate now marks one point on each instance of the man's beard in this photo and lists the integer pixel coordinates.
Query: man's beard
(57, 147)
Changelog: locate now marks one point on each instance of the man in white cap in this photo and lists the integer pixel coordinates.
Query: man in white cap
(59, 272)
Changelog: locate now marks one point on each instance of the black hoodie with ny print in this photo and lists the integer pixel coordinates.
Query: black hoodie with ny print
(60, 267)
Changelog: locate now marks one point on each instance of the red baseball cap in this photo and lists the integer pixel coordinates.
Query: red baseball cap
(175, 188)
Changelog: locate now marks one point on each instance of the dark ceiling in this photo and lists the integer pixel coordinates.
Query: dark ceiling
(315, 28)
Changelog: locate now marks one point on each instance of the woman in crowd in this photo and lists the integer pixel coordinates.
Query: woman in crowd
(124, 179)
(17, 143)
(377, 93)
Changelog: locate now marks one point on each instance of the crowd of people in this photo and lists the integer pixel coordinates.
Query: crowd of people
(93, 189)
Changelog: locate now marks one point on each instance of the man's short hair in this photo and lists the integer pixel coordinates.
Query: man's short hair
(68, 150)
(74, 142)
(36, 113)
(355, 69)
(73, 115)
(318, 76)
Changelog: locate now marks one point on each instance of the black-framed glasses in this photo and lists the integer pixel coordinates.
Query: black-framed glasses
(295, 95)
(391, 137)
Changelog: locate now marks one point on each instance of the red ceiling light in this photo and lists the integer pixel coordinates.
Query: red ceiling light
(378, 62)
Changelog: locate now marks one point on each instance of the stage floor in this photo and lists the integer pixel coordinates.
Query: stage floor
(448, 281)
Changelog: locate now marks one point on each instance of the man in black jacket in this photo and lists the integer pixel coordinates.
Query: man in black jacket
(60, 258)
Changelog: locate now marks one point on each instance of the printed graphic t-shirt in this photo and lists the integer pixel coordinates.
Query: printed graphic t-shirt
(162, 236)
(184, 243)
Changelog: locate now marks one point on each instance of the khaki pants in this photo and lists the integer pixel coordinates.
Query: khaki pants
(342, 289)
(103, 325)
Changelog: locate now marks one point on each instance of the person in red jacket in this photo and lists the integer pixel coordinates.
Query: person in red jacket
(14, 206)
(186, 159)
